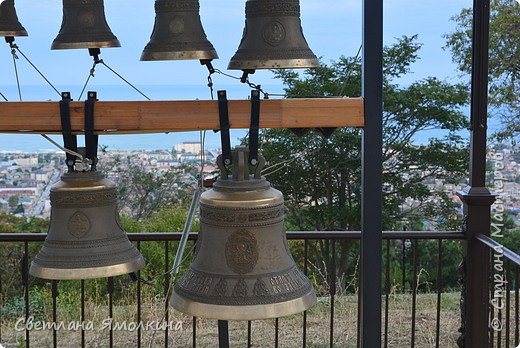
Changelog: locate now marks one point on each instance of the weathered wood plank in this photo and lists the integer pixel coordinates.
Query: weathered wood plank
(171, 116)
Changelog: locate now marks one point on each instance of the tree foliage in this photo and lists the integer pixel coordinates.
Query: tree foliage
(321, 178)
(142, 192)
(504, 59)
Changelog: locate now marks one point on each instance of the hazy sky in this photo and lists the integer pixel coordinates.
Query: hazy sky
(332, 28)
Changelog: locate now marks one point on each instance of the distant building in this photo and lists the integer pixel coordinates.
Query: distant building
(26, 162)
(192, 147)
(4, 206)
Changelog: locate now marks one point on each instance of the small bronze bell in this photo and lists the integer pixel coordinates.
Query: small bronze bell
(9, 24)
(243, 269)
(85, 238)
(84, 26)
(178, 33)
(273, 38)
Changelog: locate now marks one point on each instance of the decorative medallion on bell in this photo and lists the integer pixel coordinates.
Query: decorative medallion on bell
(78, 225)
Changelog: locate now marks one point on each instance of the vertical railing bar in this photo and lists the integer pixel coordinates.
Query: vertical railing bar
(359, 303)
(82, 299)
(276, 332)
(499, 332)
(1, 303)
(387, 289)
(223, 334)
(491, 308)
(414, 292)
(439, 294)
(517, 307)
(305, 271)
(194, 330)
(54, 291)
(332, 292)
(110, 283)
(403, 266)
(26, 293)
(166, 291)
(508, 304)
(139, 330)
(249, 331)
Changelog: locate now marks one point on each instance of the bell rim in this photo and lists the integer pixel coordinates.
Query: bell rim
(148, 55)
(88, 272)
(5, 33)
(247, 312)
(56, 45)
(259, 64)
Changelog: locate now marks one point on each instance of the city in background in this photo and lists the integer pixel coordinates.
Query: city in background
(26, 179)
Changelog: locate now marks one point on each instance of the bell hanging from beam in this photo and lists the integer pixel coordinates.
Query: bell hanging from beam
(84, 25)
(178, 33)
(9, 24)
(273, 38)
(85, 238)
(243, 269)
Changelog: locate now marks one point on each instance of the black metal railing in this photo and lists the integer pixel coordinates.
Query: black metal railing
(332, 291)
(504, 315)
(417, 284)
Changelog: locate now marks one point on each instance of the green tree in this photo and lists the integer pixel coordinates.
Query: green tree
(504, 59)
(142, 193)
(13, 201)
(321, 178)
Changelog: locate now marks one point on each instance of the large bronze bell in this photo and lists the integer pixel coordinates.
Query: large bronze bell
(84, 26)
(85, 238)
(273, 38)
(243, 269)
(9, 24)
(178, 33)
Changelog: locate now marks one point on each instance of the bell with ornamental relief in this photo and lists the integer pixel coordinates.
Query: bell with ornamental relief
(273, 38)
(84, 25)
(178, 33)
(243, 269)
(85, 238)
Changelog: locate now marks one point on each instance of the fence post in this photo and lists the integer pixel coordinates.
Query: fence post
(477, 198)
(475, 294)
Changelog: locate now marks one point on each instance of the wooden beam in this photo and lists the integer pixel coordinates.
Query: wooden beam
(171, 116)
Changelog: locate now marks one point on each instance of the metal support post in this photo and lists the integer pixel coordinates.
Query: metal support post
(476, 197)
(371, 237)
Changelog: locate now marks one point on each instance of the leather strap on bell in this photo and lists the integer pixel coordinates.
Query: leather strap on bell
(255, 127)
(69, 139)
(224, 127)
(91, 140)
(245, 75)
(209, 66)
